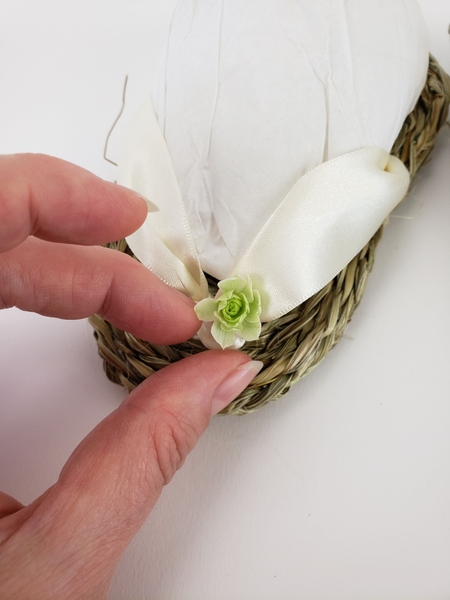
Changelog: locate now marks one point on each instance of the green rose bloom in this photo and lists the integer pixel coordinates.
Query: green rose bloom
(234, 312)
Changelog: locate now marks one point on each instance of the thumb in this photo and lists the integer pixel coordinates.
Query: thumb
(115, 476)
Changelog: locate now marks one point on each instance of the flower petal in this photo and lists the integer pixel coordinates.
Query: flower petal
(248, 290)
(234, 326)
(233, 284)
(223, 300)
(204, 335)
(245, 302)
(254, 309)
(205, 309)
(252, 317)
(250, 331)
(224, 338)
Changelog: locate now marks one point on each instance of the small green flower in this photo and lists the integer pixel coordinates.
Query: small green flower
(234, 312)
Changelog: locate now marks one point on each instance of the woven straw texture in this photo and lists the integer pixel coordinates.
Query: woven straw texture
(289, 347)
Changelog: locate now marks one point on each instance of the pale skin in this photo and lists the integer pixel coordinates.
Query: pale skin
(67, 543)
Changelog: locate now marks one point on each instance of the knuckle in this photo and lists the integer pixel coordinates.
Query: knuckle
(5, 286)
(174, 436)
(13, 280)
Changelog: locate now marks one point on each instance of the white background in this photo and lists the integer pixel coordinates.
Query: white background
(341, 490)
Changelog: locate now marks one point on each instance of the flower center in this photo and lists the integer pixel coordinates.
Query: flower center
(233, 307)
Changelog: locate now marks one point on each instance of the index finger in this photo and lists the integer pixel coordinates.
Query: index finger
(61, 202)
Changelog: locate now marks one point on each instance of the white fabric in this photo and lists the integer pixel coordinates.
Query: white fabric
(327, 217)
(252, 94)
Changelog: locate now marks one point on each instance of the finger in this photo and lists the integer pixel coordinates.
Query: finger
(73, 282)
(8, 505)
(15, 515)
(114, 478)
(56, 200)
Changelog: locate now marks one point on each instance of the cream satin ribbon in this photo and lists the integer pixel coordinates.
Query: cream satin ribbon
(325, 220)
(164, 243)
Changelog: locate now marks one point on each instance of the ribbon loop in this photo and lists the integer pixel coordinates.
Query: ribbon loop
(324, 221)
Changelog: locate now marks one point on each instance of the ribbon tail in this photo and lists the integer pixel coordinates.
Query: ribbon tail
(164, 243)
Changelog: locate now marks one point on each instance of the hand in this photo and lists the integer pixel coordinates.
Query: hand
(67, 543)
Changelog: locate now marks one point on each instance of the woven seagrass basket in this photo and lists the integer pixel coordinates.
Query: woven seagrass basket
(291, 346)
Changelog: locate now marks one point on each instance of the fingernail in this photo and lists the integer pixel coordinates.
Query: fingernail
(150, 206)
(234, 384)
